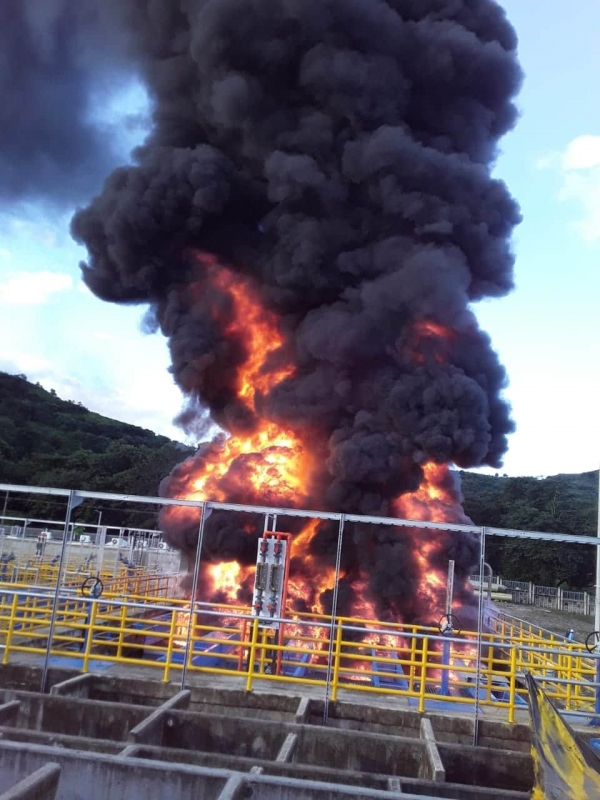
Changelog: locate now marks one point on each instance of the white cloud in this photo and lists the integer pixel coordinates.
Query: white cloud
(579, 168)
(33, 288)
(582, 153)
(160, 400)
(16, 363)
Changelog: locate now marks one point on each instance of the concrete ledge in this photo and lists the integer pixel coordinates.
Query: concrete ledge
(437, 772)
(286, 751)
(9, 712)
(79, 686)
(150, 730)
(179, 700)
(303, 711)
(130, 751)
(233, 789)
(42, 785)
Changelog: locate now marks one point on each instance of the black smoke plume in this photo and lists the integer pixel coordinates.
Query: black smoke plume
(57, 60)
(338, 154)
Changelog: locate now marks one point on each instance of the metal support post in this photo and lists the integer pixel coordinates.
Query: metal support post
(479, 636)
(73, 502)
(193, 600)
(596, 721)
(332, 630)
(445, 681)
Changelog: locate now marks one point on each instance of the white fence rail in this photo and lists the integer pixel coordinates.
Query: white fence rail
(552, 598)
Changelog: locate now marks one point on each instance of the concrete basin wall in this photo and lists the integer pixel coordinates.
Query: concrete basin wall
(98, 777)
(77, 717)
(367, 753)
(249, 738)
(500, 769)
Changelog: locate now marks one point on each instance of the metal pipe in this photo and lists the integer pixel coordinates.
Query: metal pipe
(597, 604)
(193, 600)
(334, 601)
(479, 636)
(293, 512)
(74, 501)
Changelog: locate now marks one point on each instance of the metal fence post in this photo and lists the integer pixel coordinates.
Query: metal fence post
(74, 501)
(193, 600)
(479, 637)
(338, 559)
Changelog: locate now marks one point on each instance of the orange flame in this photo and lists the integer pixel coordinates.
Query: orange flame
(273, 465)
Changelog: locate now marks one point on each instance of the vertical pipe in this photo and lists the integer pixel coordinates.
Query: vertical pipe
(72, 503)
(597, 604)
(170, 643)
(479, 636)
(332, 630)
(423, 684)
(252, 654)
(189, 656)
(596, 720)
(91, 622)
(338, 658)
(512, 687)
(11, 626)
(445, 687)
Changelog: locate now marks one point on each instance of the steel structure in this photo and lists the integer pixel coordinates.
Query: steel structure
(574, 669)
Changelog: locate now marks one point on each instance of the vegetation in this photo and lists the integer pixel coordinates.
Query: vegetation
(557, 504)
(46, 441)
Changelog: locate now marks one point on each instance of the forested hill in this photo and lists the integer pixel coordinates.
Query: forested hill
(559, 503)
(46, 441)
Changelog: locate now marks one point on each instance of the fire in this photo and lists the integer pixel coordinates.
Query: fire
(429, 341)
(431, 502)
(226, 577)
(271, 460)
(271, 466)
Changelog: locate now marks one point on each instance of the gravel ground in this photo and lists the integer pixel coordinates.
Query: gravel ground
(557, 622)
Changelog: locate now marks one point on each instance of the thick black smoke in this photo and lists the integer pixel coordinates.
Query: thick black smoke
(57, 59)
(337, 153)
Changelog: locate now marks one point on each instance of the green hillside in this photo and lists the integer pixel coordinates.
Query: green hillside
(559, 503)
(46, 441)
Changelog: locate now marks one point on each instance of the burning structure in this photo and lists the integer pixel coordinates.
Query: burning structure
(309, 220)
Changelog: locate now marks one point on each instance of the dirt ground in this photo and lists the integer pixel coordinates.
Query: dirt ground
(557, 622)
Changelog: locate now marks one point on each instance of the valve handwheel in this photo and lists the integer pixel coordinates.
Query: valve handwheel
(92, 587)
(449, 624)
(592, 641)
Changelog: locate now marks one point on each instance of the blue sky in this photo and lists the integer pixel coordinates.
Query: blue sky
(547, 333)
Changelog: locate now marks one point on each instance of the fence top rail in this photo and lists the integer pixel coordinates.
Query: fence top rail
(293, 512)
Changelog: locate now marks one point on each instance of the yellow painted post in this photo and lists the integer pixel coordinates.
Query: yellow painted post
(122, 621)
(490, 671)
(11, 626)
(170, 644)
(90, 635)
(251, 655)
(261, 661)
(569, 678)
(413, 660)
(512, 685)
(423, 676)
(336, 662)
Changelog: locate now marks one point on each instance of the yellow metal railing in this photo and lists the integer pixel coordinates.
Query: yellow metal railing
(413, 663)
